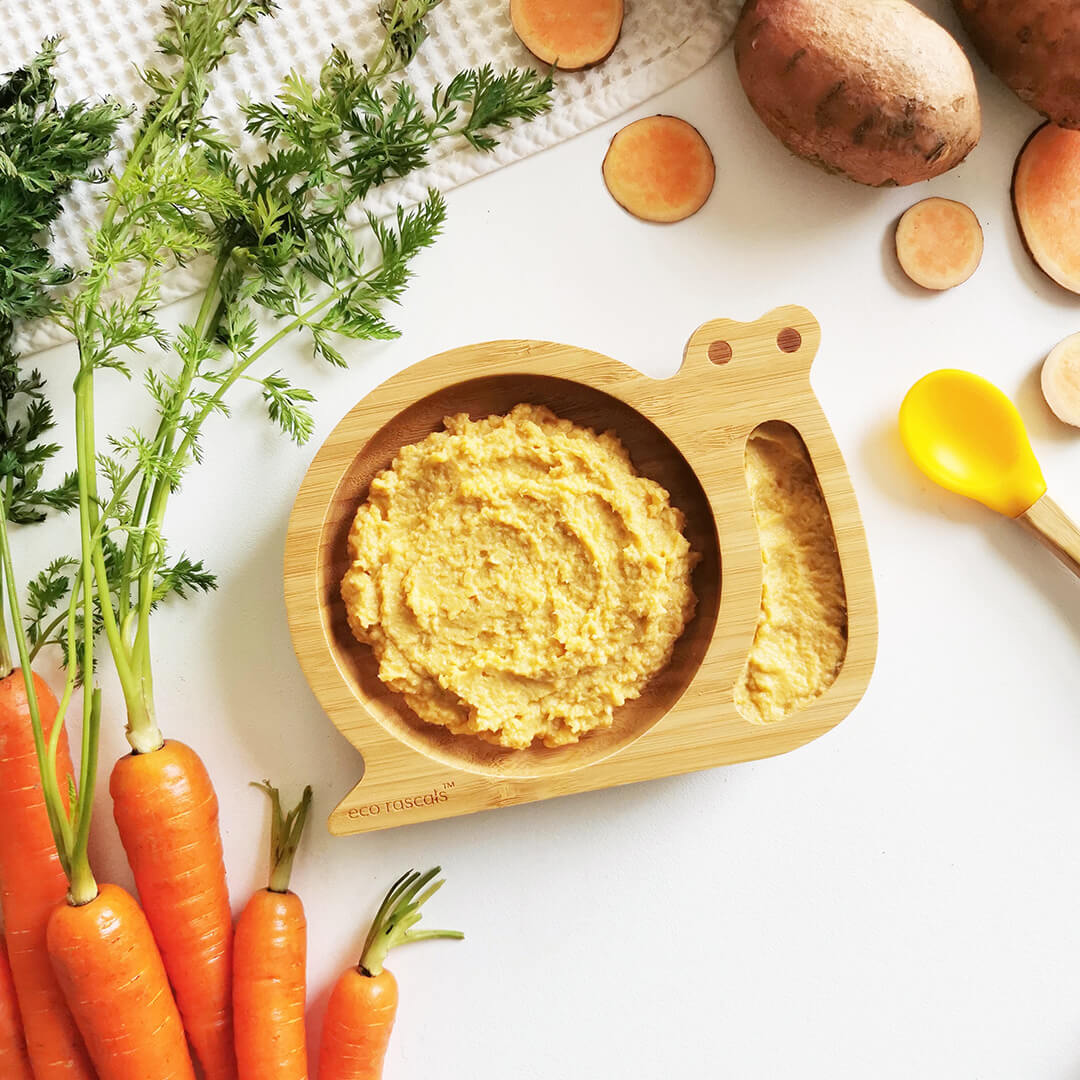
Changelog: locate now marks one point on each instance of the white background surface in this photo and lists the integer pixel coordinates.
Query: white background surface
(896, 900)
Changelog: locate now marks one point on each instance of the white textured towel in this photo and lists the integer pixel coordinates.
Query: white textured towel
(662, 42)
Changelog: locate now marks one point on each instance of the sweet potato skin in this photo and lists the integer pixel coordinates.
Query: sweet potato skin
(1033, 46)
(872, 89)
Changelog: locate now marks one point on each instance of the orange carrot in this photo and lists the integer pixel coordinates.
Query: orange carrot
(167, 814)
(106, 962)
(103, 955)
(359, 1019)
(363, 1004)
(115, 983)
(270, 985)
(32, 883)
(14, 1064)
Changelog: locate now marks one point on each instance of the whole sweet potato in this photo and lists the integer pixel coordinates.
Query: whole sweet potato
(1033, 46)
(873, 89)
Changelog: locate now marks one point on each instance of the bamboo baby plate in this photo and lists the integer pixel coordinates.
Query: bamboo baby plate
(689, 433)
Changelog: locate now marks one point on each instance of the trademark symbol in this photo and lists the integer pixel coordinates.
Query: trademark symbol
(447, 785)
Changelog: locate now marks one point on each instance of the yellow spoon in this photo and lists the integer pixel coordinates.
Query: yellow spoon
(967, 436)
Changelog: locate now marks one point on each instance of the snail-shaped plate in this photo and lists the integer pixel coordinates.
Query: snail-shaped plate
(689, 433)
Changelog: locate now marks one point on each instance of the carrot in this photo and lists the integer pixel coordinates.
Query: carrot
(939, 243)
(568, 34)
(356, 1031)
(363, 1004)
(14, 1064)
(115, 983)
(270, 984)
(103, 957)
(103, 953)
(32, 882)
(167, 814)
(660, 169)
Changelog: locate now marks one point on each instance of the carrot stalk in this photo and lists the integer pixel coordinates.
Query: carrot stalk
(95, 950)
(270, 983)
(363, 1004)
(167, 814)
(14, 1063)
(114, 981)
(33, 883)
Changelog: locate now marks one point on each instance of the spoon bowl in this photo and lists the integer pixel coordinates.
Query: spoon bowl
(968, 437)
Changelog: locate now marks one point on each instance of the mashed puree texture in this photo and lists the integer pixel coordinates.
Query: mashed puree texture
(801, 634)
(516, 579)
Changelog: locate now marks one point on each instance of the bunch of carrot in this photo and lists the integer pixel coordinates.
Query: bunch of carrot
(86, 982)
(106, 987)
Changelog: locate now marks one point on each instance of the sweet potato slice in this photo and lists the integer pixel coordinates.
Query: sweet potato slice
(660, 169)
(570, 34)
(1046, 197)
(939, 243)
(1061, 380)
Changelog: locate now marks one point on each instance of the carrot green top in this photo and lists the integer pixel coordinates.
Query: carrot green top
(285, 833)
(398, 914)
(277, 236)
(48, 147)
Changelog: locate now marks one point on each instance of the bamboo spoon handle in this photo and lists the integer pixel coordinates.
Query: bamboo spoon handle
(1055, 530)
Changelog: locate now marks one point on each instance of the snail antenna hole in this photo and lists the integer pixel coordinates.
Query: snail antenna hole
(789, 340)
(719, 352)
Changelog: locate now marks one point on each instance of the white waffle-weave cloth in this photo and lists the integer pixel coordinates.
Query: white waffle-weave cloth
(662, 42)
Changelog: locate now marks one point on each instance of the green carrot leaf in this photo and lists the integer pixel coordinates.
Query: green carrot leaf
(285, 404)
(406, 31)
(278, 229)
(183, 577)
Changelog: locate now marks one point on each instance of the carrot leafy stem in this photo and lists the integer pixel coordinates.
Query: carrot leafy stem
(398, 914)
(44, 149)
(286, 831)
(277, 231)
